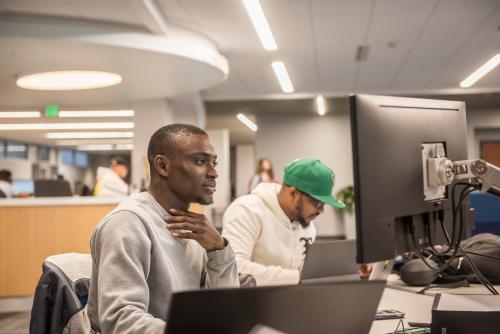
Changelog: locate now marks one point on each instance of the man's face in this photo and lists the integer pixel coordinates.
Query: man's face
(120, 170)
(307, 209)
(192, 170)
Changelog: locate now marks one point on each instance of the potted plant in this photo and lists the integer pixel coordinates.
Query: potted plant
(346, 215)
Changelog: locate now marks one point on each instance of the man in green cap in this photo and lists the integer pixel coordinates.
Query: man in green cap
(271, 228)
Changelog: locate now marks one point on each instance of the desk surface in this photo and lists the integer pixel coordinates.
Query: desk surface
(59, 201)
(417, 308)
(394, 282)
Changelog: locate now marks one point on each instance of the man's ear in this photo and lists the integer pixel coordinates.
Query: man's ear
(162, 165)
(293, 191)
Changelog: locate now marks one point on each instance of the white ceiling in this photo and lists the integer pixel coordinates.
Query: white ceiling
(415, 46)
(423, 46)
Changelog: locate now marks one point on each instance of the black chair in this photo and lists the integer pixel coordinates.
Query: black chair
(52, 188)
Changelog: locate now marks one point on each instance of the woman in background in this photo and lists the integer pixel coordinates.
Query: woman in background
(263, 173)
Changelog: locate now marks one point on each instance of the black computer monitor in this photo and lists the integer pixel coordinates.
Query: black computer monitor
(388, 134)
(52, 188)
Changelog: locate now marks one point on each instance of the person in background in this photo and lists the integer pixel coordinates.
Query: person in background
(263, 173)
(151, 246)
(271, 228)
(110, 181)
(6, 189)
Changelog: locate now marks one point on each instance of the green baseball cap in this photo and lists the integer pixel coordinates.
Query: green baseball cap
(314, 178)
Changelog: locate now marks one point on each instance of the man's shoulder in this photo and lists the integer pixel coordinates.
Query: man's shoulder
(246, 201)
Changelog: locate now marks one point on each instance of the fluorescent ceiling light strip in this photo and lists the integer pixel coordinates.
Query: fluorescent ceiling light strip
(78, 141)
(125, 147)
(69, 80)
(480, 72)
(320, 105)
(282, 75)
(74, 135)
(260, 24)
(67, 126)
(19, 114)
(245, 120)
(95, 147)
(96, 113)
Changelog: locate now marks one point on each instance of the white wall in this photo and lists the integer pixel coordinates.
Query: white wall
(220, 140)
(285, 137)
(481, 125)
(245, 167)
(20, 168)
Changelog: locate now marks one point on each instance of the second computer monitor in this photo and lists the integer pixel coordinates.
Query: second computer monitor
(388, 137)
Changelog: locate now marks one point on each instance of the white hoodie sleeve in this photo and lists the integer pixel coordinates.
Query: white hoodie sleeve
(243, 229)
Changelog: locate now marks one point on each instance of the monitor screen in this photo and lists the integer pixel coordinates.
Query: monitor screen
(25, 186)
(388, 136)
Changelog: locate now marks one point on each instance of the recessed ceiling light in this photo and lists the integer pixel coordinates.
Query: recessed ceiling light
(96, 113)
(480, 72)
(247, 121)
(74, 135)
(67, 126)
(19, 114)
(320, 105)
(69, 80)
(260, 24)
(282, 75)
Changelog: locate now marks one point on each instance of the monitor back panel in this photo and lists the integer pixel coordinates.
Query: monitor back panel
(345, 307)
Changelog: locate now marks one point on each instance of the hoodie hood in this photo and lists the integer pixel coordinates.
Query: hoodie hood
(268, 193)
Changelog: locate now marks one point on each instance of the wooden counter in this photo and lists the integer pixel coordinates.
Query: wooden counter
(34, 228)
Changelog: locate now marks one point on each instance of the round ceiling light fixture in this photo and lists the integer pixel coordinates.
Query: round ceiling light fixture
(69, 80)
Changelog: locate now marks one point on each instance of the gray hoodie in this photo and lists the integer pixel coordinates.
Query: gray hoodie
(137, 265)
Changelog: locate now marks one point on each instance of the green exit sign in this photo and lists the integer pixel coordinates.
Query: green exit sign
(51, 110)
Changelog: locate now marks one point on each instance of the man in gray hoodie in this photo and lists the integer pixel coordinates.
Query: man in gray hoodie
(151, 246)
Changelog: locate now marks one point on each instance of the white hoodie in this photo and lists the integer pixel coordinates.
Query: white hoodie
(109, 184)
(266, 244)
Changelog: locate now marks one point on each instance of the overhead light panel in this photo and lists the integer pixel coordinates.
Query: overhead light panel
(88, 135)
(69, 80)
(260, 24)
(247, 121)
(105, 147)
(84, 141)
(67, 126)
(95, 147)
(480, 72)
(282, 75)
(124, 147)
(19, 114)
(320, 105)
(96, 113)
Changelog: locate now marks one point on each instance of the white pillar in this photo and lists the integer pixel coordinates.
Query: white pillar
(245, 168)
(189, 109)
(149, 116)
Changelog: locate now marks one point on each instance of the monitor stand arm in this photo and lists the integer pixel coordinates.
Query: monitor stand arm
(484, 172)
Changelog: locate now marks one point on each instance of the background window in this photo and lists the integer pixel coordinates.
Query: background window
(2, 149)
(43, 153)
(16, 150)
(66, 157)
(81, 159)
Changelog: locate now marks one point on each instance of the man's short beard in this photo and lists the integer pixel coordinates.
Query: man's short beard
(303, 222)
(300, 219)
(205, 200)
